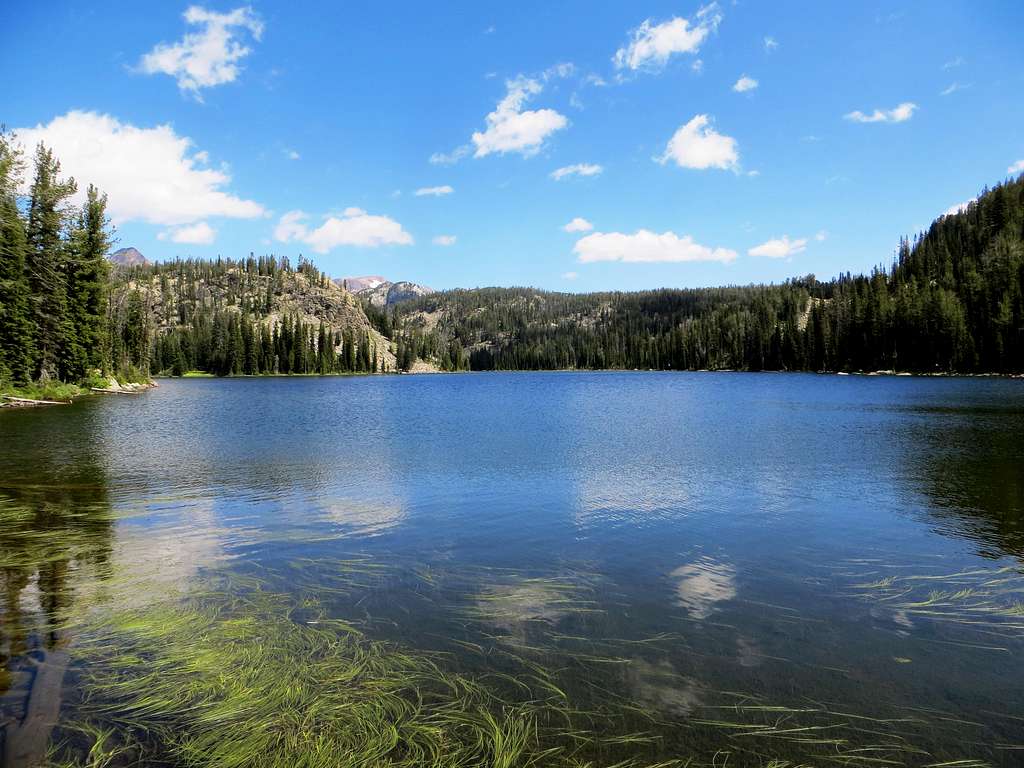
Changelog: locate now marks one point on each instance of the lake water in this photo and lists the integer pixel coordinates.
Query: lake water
(812, 568)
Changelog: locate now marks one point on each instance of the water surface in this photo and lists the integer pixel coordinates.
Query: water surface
(805, 567)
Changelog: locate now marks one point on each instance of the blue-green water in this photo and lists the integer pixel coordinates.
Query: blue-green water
(845, 549)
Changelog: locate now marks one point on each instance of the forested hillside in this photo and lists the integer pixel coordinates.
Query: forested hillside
(254, 316)
(950, 302)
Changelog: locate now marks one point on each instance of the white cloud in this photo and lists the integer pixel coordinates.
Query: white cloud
(510, 129)
(291, 154)
(745, 84)
(208, 57)
(697, 66)
(194, 234)
(578, 225)
(646, 246)
(580, 169)
(953, 63)
(444, 240)
(959, 207)
(652, 45)
(450, 158)
(434, 191)
(821, 236)
(570, 275)
(898, 114)
(355, 227)
(953, 88)
(697, 145)
(770, 44)
(149, 174)
(1017, 167)
(781, 248)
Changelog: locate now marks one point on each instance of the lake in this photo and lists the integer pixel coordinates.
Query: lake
(616, 567)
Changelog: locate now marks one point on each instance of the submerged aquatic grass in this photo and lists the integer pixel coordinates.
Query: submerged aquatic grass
(985, 600)
(244, 681)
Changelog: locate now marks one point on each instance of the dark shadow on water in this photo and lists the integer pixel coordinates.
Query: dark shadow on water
(56, 533)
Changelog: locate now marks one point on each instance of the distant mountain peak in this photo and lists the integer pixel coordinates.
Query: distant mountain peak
(381, 292)
(357, 284)
(128, 257)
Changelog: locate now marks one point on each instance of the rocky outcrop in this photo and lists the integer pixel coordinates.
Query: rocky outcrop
(388, 294)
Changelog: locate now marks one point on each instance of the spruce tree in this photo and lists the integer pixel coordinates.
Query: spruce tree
(47, 264)
(16, 342)
(88, 284)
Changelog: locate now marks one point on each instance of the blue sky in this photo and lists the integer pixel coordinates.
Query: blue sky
(705, 145)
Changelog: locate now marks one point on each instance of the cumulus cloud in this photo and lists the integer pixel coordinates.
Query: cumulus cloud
(780, 248)
(355, 227)
(444, 240)
(578, 225)
(149, 174)
(434, 191)
(510, 128)
(291, 154)
(646, 246)
(580, 169)
(745, 84)
(698, 145)
(194, 234)
(1017, 167)
(652, 45)
(209, 56)
(770, 44)
(898, 114)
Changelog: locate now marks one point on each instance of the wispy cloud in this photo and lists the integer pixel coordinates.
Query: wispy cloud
(450, 158)
(954, 87)
(1017, 167)
(434, 191)
(579, 169)
(652, 45)
(898, 114)
(444, 240)
(770, 44)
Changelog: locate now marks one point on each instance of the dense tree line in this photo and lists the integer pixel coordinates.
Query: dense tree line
(233, 344)
(53, 274)
(950, 302)
(225, 317)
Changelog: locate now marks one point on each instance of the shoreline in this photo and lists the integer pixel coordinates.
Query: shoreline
(13, 399)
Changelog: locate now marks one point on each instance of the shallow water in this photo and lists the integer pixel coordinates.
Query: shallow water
(744, 556)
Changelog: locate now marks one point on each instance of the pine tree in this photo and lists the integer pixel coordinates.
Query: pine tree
(47, 262)
(88, 284)
(16, 342)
